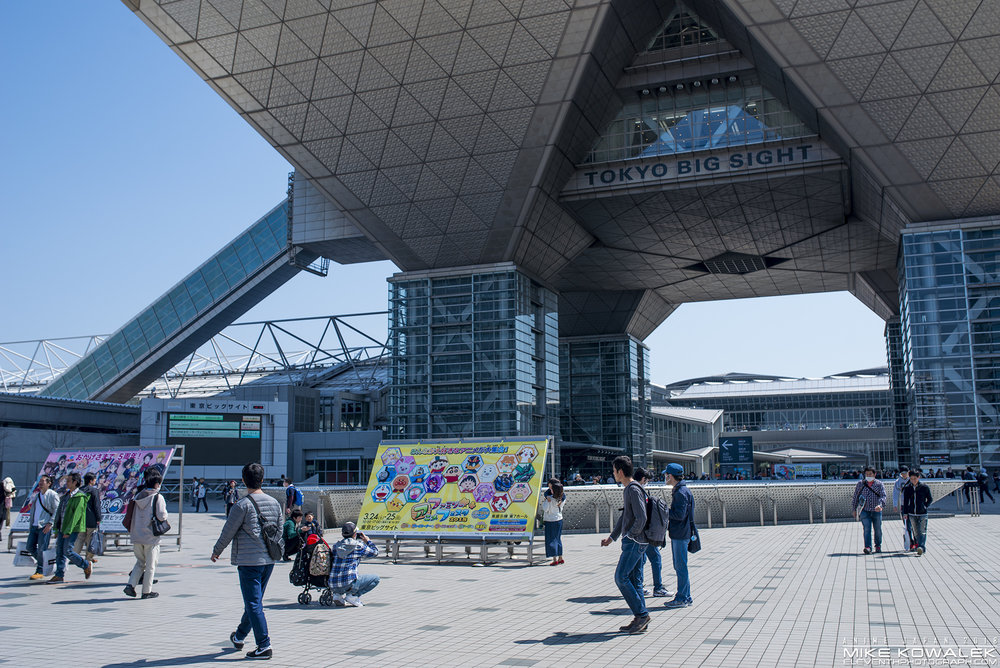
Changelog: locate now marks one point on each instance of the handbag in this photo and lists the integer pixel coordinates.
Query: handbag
(694, 545)
(158, 526)
(96, 546)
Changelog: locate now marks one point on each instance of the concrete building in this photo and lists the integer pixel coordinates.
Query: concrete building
(620, 157)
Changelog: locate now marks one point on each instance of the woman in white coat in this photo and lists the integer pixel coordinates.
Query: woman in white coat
(145, 544)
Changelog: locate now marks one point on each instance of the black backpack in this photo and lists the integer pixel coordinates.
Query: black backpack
(270, 533)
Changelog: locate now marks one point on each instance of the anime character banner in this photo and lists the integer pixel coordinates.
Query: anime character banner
(456, 490)
(119, 476)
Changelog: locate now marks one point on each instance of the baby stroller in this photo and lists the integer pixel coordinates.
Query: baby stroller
(311, 569)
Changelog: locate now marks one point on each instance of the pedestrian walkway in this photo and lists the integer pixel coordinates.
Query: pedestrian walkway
(791, 595)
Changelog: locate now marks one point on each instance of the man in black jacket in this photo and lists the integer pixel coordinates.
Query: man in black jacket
(916, 500)
(93, 516)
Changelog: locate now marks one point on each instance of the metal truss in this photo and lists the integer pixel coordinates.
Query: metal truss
(301, 349)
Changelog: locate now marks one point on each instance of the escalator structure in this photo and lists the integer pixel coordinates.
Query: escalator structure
(302, 233)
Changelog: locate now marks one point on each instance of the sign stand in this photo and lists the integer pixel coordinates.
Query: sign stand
(179, 459)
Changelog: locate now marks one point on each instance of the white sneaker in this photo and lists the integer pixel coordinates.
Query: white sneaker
(338, 600)
(354, 601)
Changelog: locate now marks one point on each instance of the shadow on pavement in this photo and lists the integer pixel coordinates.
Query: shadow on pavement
(89, 601)
(593, 599)
(847, 554)
(572, 638)
(616, 611)
(177, 660)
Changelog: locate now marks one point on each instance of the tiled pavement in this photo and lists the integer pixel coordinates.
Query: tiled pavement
(791, 595)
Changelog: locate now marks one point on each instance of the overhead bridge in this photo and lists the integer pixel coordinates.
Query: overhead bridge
(257, 262)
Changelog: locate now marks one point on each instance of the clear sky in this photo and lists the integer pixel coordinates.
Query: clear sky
(122, 171)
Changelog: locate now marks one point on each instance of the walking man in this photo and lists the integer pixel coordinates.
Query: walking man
(251, 557)
(93, 517)
(984, 488)
(194, 493)
(71, 520)
(916, 500)
(41, 507)
(679, 525)
(643, 477)
(867, 503)
(897, 502)
(201, 496)
(628, 574)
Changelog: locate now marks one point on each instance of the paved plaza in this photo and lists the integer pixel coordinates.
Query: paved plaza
(791, 595)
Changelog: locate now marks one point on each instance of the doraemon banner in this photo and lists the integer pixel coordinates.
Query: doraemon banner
(119, 476)
(481, 489)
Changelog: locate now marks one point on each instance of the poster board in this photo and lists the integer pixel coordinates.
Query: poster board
(477, 489)
(119, 476)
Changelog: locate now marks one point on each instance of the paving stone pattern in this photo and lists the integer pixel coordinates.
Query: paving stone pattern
(791, 595)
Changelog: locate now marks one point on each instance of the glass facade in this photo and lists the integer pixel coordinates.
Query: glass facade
(604, 385)
(897, 381)
(682, 29)
(676, 435)
(200, 291)
(349, 471)
(950, 320)
(710, 116)
(474, 354)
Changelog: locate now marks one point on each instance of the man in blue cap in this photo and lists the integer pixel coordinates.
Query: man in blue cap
(679, 524)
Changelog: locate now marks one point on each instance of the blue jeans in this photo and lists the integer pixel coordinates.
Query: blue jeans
(253, 582)
(655, 564)
(361, 585)
(553, 539)
(64, 551)
(38, 542)
(918, 527)
(628, 575)
(679, 550)
(869, 519)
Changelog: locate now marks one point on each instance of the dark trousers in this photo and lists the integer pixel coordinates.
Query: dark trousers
(253, 582)
(229, 506)
(553, 539)
(199, 503)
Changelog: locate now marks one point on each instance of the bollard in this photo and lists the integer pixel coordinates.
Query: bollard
(723, 514)
(810, 502)
(774, 505)
(597, 518)
(760, 504)
(823, 500)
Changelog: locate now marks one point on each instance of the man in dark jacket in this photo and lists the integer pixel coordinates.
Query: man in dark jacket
(679, 525)
(628, 575)
(916, 500)
(93, 516)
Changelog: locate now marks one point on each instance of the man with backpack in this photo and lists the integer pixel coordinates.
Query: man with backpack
(293, 497)
(656, 531)
(254, 529)
(347, 586)
(680, 529)
(628, 574)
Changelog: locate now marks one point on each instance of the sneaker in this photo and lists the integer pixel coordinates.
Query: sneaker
(676, 603)
(354, 601)
(920, 551)
(646, 593)
(638, 625)
(625, 628)
(238, 644)
(867, 550)
(661, 592)
(878, 549)
(55, 579)
(561, 560)
(36, 576)
(129, 591)
(338, 600)
(150, 594)
(88, 570)
(260, 653)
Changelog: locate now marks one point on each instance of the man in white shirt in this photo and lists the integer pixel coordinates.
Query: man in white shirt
(42, 504)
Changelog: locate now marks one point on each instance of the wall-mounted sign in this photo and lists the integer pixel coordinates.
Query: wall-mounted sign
(664, 170)
(735, 450)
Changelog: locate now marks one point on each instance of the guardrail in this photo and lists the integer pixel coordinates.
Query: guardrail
(587, 507)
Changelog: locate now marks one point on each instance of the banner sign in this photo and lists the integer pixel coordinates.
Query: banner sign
(478, 489)
(735, 450)
(812, 471)
(936, 459)
(674, 169)
(119, 476)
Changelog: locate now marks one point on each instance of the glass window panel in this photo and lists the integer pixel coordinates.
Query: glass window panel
(198, 290)
(231, 266)
(151, 328)
(215, 279)
(248, 253)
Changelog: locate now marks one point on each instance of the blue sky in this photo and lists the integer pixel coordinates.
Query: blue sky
(123, 171)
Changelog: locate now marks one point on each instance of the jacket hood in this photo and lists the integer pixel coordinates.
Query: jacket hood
(144, 499)
(345, 547)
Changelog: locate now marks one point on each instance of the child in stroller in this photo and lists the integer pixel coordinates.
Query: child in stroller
(311, 570)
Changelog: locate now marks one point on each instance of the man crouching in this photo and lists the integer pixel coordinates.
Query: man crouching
(347, 586)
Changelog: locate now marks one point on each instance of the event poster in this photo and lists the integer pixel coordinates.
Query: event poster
(479, 489)
(119, 476)
(810, 471)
